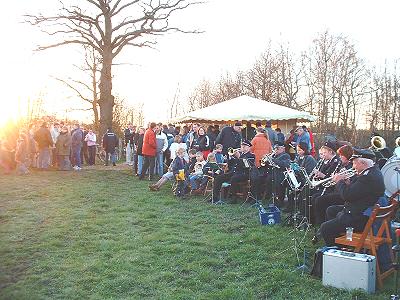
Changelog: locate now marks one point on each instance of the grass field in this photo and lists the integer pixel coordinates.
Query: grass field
(101, 234)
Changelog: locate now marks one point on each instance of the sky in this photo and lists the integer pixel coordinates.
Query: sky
(235, 34)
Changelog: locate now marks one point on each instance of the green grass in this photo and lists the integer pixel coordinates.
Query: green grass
(100, 234)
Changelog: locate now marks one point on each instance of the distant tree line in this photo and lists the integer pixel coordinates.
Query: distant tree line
(329, 80)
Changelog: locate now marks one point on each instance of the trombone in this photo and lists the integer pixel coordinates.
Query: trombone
(328, 182)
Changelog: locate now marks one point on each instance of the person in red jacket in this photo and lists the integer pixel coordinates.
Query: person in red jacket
(149, 151)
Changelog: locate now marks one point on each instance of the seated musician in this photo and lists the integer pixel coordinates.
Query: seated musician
(358, 194)
(273, 176)
(238, 170)
(330, 166)
(322, 202)
(307, 162)
(304, 159)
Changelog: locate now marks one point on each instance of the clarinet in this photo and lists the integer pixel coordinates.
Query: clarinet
(334, 172)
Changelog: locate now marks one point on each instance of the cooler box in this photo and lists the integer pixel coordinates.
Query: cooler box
(349, 270)
(269, 216)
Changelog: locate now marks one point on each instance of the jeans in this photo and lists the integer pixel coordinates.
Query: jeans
(128, 153)
(76, 155)
(44, 158)
(140, 164)
(112, 156)
(193, 181)
(159, 165)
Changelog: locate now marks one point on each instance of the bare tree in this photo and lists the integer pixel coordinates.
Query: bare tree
(109, 26)
(87, 92)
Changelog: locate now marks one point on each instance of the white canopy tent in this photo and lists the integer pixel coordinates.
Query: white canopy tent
(245, 108)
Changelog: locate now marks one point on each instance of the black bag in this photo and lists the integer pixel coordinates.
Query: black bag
(316, 269)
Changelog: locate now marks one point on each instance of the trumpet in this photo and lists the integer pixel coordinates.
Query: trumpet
(328, 182)
(267, 159)
(231, 151)
(378, 143)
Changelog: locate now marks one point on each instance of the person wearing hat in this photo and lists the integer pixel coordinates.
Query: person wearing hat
(330, 165)
(271, 181)
(322, 202)
(239, 165)
(359, 194)
(230, 137)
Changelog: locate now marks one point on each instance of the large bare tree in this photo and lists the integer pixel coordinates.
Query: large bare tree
(109, 26)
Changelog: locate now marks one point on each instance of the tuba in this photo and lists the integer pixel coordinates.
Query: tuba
(397, 142)
(377, 143)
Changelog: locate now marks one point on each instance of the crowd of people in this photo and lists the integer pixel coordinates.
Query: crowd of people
(332, 190)
(47, 146)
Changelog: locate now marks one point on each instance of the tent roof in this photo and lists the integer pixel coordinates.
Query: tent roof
(244, 108)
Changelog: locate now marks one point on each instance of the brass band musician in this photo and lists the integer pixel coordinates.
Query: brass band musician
(359, 194)
(238, 170)
(272, 176)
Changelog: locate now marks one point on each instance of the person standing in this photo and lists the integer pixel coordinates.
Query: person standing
(44, 141)
(271, 133)
(129, 134)
(21, 154)
(63, 149)
(149, 151)
(55, 132)
(279, 135)
(77, 138)
(162, 145)
(261, 145)
(230, 137)
(139, 153)
(90, 139)
(248, 133)
(110, 142)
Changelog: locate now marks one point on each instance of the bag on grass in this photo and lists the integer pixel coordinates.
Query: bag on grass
(316, 269)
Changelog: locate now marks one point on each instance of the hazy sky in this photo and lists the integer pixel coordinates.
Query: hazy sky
(236, 33)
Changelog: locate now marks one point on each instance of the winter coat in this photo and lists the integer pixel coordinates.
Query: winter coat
(139, 143)
(63, 144)
(43, 138)
(229, 138)
(77, 137)
(110, 142)
(260, 146)
(149, 143)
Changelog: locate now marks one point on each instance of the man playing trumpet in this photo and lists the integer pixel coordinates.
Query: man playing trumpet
(358, 194)
(239, 164)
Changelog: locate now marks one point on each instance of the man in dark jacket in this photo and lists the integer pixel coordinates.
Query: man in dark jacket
(45, 142)
(230, 137)
(239, 168)
(110, 142)
(76, 147)
(359, 194)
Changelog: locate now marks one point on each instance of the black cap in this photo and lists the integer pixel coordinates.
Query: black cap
(278, 143)
(332, 144)
(247, 143)
(237, 123)
(362, 153)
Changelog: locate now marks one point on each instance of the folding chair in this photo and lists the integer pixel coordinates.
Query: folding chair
(368, 240)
